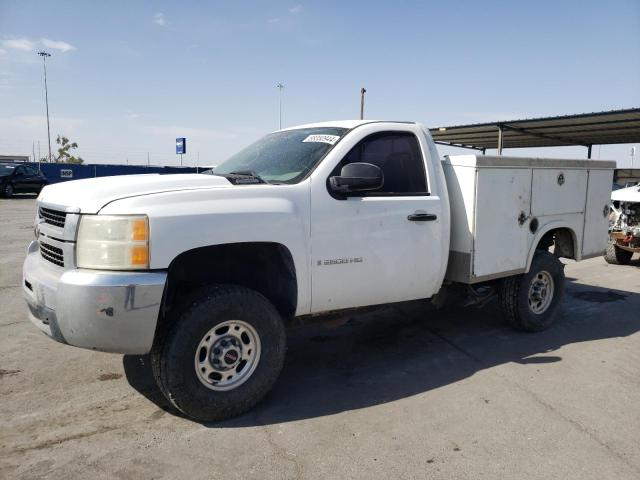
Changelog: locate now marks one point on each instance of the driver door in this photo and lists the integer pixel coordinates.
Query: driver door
(366, 250)
(19, 179)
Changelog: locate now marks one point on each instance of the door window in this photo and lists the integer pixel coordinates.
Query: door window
(398, 156)
(31, 171)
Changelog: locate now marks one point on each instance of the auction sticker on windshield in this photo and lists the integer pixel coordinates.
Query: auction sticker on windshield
(330, 139)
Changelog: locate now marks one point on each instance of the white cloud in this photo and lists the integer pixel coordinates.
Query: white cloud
(58, 45)
(26, 45)
(131, 115)
(19, 44)
(273, 20)
(158, 19)
(296, 9)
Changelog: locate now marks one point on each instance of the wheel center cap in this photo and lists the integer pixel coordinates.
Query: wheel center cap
(230, 357)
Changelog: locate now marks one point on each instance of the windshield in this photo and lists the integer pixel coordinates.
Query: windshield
(283, 157)
(6, 169)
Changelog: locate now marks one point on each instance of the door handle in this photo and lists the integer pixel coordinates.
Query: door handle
(422, 217)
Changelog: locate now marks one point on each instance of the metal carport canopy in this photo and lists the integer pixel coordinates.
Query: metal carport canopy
(586, 129)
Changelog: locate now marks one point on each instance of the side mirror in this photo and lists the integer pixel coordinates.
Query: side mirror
(357, 177)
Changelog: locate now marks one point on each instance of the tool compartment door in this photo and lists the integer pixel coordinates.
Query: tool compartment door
(503, 195)
(596, 218)
(558, 191)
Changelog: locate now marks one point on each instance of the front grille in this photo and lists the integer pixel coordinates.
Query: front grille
(52, 254)
(53, 217)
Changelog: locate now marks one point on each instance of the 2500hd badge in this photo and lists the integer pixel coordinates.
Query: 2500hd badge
(340, 261)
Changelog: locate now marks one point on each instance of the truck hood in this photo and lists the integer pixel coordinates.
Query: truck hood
(629, 194)
(90, 195)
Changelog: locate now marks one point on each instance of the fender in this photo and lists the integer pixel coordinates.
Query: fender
(553, 225)
(185, 220)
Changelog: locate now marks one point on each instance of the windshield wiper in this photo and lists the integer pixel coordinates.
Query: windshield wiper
(249, 175)
(241, 177)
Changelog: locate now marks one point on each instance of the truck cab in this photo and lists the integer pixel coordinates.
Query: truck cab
(205, 271)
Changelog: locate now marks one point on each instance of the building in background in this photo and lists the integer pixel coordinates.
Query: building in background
(13, 158)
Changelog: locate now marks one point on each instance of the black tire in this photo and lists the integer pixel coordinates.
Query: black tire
(515, 292)
(7, 191)
(172, 359)
(617, 256)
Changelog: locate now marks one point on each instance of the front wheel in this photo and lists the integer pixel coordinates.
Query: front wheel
(530, 302)
(222, 355)
(7, 191)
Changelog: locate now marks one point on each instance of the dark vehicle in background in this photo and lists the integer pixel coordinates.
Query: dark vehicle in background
(17, 178)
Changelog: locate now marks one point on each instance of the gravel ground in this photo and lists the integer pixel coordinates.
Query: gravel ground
(399, 393)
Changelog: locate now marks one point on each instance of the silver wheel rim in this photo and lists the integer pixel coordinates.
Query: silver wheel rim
(227, 355)
(541, 292)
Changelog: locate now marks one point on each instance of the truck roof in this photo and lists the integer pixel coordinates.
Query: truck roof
(340, 124)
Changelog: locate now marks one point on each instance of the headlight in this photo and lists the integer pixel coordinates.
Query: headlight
(113, 242)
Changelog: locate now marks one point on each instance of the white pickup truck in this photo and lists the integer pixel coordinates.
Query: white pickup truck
(205, 271)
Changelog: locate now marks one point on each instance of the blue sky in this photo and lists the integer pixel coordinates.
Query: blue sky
(126, 78)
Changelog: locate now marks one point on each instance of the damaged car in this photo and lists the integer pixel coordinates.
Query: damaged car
(624, 226)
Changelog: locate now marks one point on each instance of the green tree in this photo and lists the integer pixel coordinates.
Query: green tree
(64, 151)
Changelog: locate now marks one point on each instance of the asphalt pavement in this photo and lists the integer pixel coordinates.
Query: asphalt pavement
(397, 393)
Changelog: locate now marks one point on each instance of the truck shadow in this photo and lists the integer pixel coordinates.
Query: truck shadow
(401, 351)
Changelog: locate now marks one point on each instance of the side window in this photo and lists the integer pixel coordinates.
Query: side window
(19, 171)
(30, 170)
(398, 156)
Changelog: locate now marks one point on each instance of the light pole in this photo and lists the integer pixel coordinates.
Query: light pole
(44, 56)
(280, 86)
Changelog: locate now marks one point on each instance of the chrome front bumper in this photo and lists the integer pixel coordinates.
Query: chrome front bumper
(99, 310)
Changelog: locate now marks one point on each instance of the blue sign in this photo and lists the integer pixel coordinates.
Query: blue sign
(181, 146)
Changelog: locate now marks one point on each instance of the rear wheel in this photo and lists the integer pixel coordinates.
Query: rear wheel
(222, 355)
(530, 302)
(616, 255)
